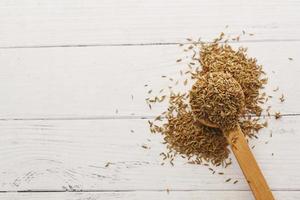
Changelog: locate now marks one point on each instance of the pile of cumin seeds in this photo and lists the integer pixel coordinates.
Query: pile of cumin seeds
(182, 136)
(216, 57)
(218, 98)
(197, 143)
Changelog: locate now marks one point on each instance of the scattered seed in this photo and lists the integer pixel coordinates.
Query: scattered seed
(171, 162)
(228, 180)
(282, 99)
(276, 89)
(185, 82)
(277, 115)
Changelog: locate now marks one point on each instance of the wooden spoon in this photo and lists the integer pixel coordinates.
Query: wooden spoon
(246, 160)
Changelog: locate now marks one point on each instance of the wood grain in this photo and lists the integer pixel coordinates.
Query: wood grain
(247, 162)
(71, 155)
(94, 82)
(92, 22)
(149, 195)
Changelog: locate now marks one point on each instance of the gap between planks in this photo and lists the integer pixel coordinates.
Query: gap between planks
(136, 44)
(107, 117)
(142, 190)
(174, 195)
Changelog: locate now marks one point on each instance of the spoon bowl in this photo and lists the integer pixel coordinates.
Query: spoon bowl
(207, 123)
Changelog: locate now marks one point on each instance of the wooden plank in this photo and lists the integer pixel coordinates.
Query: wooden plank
(71, 155)
(94, 82)
(147, 195)
(93, 22)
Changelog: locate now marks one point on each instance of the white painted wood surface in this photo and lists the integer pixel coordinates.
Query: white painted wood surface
(137, 195)
(72, 154)
(66, 66)
(94, 22)
(93, 82)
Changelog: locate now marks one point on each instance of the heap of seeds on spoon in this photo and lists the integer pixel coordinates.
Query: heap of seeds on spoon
(218, 98)
(178, 125)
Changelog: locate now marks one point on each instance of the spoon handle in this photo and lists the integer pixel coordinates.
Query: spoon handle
(248, 164)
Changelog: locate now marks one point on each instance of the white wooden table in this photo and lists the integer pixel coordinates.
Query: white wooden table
(67, 66)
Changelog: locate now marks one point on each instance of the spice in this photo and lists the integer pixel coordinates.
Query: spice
(184, 137)
(228, 180)
(219, 98)
(222, 58)
(244, 78)
(276, 89)
(168, 190)
(282, 99)
(277, 115)
(145, 147)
